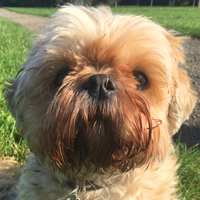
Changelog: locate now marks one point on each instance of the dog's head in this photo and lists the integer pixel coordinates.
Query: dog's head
(101, 89)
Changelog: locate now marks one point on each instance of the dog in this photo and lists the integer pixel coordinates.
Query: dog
(98, 100)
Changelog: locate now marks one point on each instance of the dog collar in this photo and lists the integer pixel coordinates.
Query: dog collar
(74, 198)
(91, 186)
(87, 186)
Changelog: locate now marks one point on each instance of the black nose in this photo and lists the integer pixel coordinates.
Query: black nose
(100, 86)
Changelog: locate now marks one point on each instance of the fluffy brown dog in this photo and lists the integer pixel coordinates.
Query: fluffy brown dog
(98, 100)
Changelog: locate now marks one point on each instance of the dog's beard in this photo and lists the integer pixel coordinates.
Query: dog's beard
(115, 133)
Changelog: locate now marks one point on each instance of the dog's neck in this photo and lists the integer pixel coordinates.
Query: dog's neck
(95, 182)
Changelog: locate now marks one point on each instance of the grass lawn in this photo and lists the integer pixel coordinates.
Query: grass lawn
(14, 47)
(188, 172)
(185, 20)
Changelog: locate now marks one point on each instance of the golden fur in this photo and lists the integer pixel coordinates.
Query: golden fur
(119, 145)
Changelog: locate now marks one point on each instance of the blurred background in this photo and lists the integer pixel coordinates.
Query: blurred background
(54, 3)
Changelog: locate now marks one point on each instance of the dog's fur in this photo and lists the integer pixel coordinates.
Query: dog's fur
(115, 146)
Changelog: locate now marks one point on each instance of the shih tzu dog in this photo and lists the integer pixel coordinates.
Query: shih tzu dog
(98, 101)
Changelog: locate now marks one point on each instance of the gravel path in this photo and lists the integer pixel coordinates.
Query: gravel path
(190, 130)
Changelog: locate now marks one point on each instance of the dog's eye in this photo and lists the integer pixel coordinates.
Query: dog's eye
(60, 77)
(142, 79)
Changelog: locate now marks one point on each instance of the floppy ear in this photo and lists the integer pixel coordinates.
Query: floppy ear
(12, 96)
(8, 95)
(183, 97)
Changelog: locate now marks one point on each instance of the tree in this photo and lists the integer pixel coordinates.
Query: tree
(151, 4)
(171, 3)
(115, 3)
(199, 4)
(183, 2)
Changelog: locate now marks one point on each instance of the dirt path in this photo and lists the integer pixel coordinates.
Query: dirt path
(190, 130)
(32, 22)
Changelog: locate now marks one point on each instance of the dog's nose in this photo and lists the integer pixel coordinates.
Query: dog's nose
(100, 86)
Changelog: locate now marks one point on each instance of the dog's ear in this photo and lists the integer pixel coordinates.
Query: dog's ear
(12, 96)
(183, 97)
(9, 95)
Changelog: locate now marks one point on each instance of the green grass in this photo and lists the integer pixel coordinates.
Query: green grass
(188, 172)
(14, 47)
(185, 20)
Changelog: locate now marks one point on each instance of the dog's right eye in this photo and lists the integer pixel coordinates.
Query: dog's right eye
(60, 77)
(142, 79)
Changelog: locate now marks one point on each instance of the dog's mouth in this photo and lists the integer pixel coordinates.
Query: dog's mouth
(101, 130)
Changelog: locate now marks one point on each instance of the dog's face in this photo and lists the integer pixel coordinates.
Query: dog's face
(101, 90)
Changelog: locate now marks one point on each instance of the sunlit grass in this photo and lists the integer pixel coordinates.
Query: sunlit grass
(185, 20)
(189, 172)
(14, 47)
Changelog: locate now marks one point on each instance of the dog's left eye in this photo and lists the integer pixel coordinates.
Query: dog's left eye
(142, 79)
(60, 77)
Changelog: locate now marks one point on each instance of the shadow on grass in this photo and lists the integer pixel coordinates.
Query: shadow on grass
(189, 135)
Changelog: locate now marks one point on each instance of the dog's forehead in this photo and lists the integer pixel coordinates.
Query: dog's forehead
(78, 26)
(100, 36)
